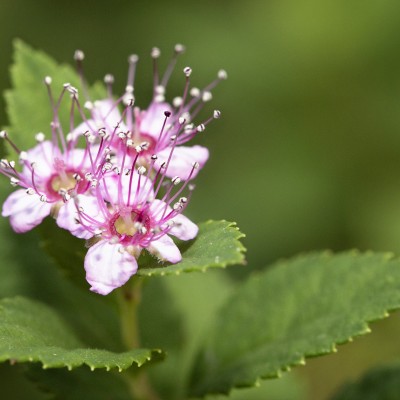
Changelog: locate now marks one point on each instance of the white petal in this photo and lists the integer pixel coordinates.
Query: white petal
(25, 211)
(165, 249)
(183, 228)
(182, 160)
(107, 268)
(68, 216)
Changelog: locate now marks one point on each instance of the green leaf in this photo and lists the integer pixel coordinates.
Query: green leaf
(28, 106)
(299, 308)
(216, 245)
(33, 332)
(381, 383)
(79, 384)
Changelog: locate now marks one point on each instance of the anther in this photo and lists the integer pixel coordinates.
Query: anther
(191, 187)
(48, 80)
(143, 230)
(88, 176)
(141, 170)
(181, 120)
(195, 92)
(196, 165)
(30, 191)
(217, 114)
(129, 89)
(177, 101)
(129, 143)
(173, 138)
(176, 180)
(12, 164)
(187, 71)
(94, 183)
(159, 98)
(155, 52)
(109, 79)
(3, 134)
(39, 137)
(177, 206)
(79, 55)
(76, 176)
(154, 157)
(102, 132)
(88, 105)
(200, 128)
(167, 113)
(183, 200)
(43, 198)
(207, 96)
(188, 128)
(222, 74)
(179, 48)
(23, 156)
(160, 89)
(4, 163)
(14, 181)
(133, 58)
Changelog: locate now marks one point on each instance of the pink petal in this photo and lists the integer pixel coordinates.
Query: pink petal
(183, 227)
(107, 267)
(106, 112)
(68, 216)
(182, 160)
(144, 193)
(43, 155)
(165, 249)
(153, 118)
(25, 211)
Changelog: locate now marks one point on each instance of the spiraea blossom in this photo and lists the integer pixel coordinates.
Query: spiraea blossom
(148, 128)
(128, 217)
(51, 171)
(120, 180)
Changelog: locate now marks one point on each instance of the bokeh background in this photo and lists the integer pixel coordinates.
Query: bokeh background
(307, 154)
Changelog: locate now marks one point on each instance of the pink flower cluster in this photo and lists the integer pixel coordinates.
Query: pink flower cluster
(122, 177)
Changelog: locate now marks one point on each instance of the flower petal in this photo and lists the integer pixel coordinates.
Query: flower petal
(183, 228)
(182, 160)
(152, 120)
(165, 249)
(107, 267)
(141, 189)
(25, 211)
(68, 216)
(43, 155)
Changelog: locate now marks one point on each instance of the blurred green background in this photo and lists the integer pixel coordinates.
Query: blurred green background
(307, 154)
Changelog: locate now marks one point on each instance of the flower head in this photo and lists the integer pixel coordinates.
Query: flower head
(52, 172)
(127, 217)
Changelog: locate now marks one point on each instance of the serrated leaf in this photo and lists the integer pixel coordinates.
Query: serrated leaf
(28, 106)
(299, 308)
(33, 332)
(381, 383)
(216, 245)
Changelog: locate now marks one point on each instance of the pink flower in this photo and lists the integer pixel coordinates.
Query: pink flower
(52, 172)
(129, 219)
(152, 129)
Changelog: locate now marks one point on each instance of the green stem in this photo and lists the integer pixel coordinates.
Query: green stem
(129, 300)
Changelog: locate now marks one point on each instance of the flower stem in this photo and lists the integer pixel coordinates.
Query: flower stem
(129, 300)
